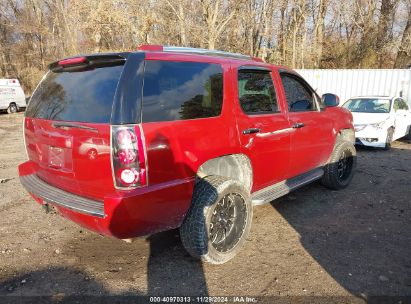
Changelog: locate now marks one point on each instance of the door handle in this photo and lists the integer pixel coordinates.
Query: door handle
(298, 125)
(251, 131)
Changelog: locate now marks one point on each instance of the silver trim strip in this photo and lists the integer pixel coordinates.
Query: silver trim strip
(143, 140)
(284, 187)
(277, 132)
(200, 51)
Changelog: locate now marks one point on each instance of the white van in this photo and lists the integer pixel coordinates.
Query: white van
(12, 97)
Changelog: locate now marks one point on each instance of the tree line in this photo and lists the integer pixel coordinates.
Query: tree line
(296, 33)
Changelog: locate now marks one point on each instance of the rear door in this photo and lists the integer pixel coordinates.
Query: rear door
(263, 126)
(67, 126)
(313, 138)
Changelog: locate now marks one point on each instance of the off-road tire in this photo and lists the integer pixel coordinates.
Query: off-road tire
(331, 177)
(195, 230)
(12, 108)
(388, 141)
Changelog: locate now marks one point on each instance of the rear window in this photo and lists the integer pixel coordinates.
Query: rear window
(82, 96)
(181, 90)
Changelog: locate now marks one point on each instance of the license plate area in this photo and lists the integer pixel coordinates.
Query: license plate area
(59, 158)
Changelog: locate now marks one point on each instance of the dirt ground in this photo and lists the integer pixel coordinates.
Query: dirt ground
(313, 242)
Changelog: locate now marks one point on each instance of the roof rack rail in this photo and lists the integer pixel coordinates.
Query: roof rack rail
(199, 51)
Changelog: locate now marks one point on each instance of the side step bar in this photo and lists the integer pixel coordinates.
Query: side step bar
(284, 187)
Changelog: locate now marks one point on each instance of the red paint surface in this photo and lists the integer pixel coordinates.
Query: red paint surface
(175, 150)
(71, 61)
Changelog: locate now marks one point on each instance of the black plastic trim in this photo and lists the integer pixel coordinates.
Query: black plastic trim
(55, 196)
(92, 61)
(254, 68)
(127, 103)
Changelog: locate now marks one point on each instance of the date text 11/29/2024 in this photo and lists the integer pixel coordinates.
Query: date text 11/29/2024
(205, 299)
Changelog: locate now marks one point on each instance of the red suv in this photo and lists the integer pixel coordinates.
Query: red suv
(129, 144)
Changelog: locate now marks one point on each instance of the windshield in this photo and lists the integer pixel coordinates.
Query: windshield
(368, 105)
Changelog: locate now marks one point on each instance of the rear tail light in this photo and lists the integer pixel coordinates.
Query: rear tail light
(128, 157)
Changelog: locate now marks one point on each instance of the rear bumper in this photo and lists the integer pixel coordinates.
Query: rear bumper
(120, 214)
(58, 197)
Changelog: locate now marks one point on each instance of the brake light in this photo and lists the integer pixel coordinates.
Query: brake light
(151, 47)
(257, 59)
(128, 157)
(72, 61)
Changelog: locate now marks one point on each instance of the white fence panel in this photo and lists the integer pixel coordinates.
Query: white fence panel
(350, 83)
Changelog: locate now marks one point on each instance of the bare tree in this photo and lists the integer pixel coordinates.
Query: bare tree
(403, 59)
(215, 20)
(297, 22)
(384, 36)
(178, 10)
(319, 32)
(298, 33)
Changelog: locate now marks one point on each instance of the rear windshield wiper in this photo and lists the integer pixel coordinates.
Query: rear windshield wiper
(68, 125)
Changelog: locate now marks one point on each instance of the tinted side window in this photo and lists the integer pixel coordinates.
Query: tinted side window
(181, 90)
(256, 92)
(299, 97)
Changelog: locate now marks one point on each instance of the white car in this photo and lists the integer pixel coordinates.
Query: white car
(12, 97)
(379, 120)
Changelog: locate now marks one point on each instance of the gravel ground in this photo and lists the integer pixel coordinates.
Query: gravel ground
(313, 242)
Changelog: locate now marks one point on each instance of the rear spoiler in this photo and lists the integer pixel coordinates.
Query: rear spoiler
(81, 63)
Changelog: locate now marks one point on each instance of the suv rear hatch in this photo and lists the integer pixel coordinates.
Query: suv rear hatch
(67, 124)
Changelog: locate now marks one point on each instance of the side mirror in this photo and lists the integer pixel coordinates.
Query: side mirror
(330, 100)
